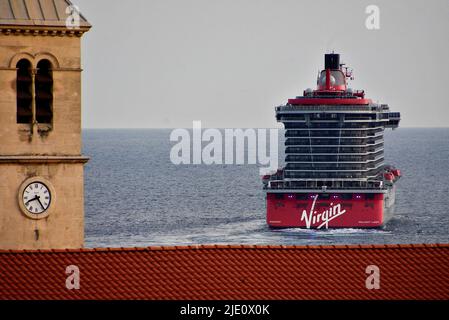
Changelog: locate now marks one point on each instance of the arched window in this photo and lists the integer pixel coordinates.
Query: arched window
(24, 92)
(44, 92)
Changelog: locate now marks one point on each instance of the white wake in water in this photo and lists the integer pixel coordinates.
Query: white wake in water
(333, 232)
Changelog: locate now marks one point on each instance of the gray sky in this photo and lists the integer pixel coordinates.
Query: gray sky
(165, 63)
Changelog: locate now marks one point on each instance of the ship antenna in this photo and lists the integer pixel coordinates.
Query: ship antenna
(347, 71)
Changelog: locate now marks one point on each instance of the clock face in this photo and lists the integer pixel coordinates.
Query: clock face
(36, 197)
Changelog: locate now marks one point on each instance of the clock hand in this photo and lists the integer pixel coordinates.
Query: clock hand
(39, 200)
(35, 198)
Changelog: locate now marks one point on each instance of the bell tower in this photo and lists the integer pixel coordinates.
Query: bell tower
(41, 165)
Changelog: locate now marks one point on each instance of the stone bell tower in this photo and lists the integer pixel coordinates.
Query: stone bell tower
(41, 166)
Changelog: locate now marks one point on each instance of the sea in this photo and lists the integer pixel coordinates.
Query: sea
(136, 197)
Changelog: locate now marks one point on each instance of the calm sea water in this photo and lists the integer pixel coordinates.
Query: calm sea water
(134, 195)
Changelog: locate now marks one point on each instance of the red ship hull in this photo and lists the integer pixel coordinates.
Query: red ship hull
(337, 211)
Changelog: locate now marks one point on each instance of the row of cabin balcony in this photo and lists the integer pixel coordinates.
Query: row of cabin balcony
(327, 107)
(331, 116)
(337, 154)
(342, 184)
(393, 124)
(338, 109)
(337, 161)
(316, 141)
(333, 150)
(333, 125)
(335, 167)
(389, 119)
(330, 175)
(291, 126)
(335, 158)
(334, 133)
(327, 177)
(300, 119)
(332, 143)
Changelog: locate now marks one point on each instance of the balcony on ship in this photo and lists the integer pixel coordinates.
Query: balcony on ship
(292, 133)
(334, 150)
(334, 166)
(330, 175)
(334, 158)
(334, 141)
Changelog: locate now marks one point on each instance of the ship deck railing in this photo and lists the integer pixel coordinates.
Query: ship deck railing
(331, 151)
(327, 190)
(292, 119)
(342, 170)
(334, 129)
(333, 136)
(330, 185)
(326, 176)
(342, 162)
(333, 107)
(290, 143)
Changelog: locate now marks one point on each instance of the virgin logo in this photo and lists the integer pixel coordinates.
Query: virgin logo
(313, 217)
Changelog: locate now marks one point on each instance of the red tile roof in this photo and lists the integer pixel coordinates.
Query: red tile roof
(229, 272)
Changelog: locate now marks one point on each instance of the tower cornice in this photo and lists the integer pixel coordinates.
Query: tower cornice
(16, 30)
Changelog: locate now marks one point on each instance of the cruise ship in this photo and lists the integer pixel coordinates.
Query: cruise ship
(334, 174)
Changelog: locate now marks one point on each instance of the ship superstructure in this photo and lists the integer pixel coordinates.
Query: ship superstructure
(335, 175)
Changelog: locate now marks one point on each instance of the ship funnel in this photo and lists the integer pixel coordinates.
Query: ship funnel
(332, 61)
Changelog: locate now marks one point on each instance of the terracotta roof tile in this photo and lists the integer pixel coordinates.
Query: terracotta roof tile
(228, 272)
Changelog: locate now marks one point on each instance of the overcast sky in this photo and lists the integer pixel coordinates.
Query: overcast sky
(165, 63)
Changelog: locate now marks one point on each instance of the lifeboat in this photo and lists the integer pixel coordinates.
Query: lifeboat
(389, 176)
(396, 172)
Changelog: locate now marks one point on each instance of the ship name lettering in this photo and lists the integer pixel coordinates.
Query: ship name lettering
(312, 217)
